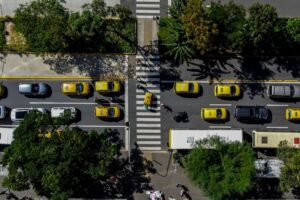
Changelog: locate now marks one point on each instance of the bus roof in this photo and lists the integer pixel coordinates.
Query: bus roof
(185, 139)
(6, 135)
(272, 139)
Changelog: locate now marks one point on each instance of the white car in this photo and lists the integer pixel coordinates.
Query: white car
(62, 111)
(18, 114)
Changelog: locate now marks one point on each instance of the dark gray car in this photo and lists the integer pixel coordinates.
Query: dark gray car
(34, 89)
(252, 113)
(283, 91)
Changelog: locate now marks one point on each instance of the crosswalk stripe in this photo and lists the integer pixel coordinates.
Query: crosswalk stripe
(143, 108)
(148, 73)
(148, 119)
(142, 96)
(142, 102)
(148, 142)
(143, 16)
(142, 1)
(149, 57)
(147, 5)
(148, 114)
(150, 148)
(149, 85)
(148, 125)
(148, 130)
(148, 136)
(148, 11)
(148, 79)
(149, 90)
(152, 62)
(149, 68)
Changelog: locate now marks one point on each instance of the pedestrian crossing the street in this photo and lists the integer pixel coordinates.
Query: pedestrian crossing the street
(148, 121)
(147, 8)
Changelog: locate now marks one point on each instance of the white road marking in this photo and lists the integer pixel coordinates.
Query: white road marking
(63, 103)
(151, 108)
(142, 96)
(147, 11)
(147, 73)
(226, 104)
(143, 57)
(148, 119)
(144, 16)
(148, 137)
(148, 1)
(277, 127)
(148, 130)
(237, 82)
(147, 5)
(149, 79)
(142, 102)
(219, 126)
(150, 148)
(148, 113)
(8, 125)
(149, 90)
(148, 125)
(150, 68)
(277, 105)
(98, 126)
(148, 142)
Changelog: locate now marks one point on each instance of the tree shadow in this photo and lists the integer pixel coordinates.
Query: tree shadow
(254, 89)
(288, 64)
(93, 65)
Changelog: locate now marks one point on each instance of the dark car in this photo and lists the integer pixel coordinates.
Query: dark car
(251, 114)
(33, 89)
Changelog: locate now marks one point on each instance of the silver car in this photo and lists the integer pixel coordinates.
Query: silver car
(18, 114)
(283, 91)
(3, 112)
(34, 89)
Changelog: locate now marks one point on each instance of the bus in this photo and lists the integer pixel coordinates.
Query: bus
(184, 139)
(264, 139)
(6, 135)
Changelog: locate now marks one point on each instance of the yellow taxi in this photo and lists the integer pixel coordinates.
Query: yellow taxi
(49, 134)
(186, 87)
(76, 88)
(148, 99)
(107, 86)
(109, 112)
(292, 114)
(2, 90)
(213, 113)
(230, 90)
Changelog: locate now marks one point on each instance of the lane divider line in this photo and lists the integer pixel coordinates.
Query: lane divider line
(226, 104)
(277, 127)
(277, 105)
(219, 126)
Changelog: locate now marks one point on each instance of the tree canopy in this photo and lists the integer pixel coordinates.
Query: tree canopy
(69, 163)
(223, 171)
(293, 28)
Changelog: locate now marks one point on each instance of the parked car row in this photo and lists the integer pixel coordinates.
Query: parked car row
(287, 91)
(254, 114)
(18, 114)
(68, 88)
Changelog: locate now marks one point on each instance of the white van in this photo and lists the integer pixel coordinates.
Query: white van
(62, 111)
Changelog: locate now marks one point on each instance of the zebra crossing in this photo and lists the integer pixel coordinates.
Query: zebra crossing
(148, 122)
(147, 8)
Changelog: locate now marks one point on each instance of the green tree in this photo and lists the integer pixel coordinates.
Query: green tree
(290, 173)
(73, 163)
(43, 23)
(177, 8)
(293, 28)
(230, 19)
(200, 30)
(260, 28)
(224, 171)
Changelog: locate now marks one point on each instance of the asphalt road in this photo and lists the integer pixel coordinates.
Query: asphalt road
(253, 94)
(85, 105)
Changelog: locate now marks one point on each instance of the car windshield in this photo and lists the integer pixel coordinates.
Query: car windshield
(79, 88)
(111, 112)
(110, 86)
(219, 113)
(21, 114)
(232, 90)
(191, 87)
(262, 113)
(35, 88)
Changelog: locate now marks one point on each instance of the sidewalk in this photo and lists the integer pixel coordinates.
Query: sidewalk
(62, 66)
(166, 177)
